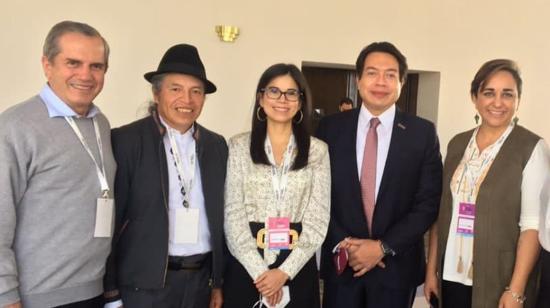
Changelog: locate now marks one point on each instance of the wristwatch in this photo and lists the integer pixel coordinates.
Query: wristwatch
(386, 250)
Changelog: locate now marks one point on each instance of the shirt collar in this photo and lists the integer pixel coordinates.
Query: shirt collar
(386, 118)
(187, 135)
(58, 108)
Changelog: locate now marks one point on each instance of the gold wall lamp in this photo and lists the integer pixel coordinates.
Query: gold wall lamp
(227, 33)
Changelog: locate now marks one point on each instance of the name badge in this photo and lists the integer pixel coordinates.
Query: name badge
(466, 219)
(104, 215)
(278, 229)
(184, 226)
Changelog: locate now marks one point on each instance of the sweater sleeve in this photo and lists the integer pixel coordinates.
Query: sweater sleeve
(237, 231)
(316, 216)
(534, 175)
(13, 185)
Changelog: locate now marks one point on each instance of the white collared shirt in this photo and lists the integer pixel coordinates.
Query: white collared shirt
(384, 131)
(185, 143)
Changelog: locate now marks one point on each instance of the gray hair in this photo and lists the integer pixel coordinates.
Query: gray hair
(156, 82)
(51, 44)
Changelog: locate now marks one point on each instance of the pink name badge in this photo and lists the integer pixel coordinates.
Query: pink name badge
(278, 229)
(466, 219)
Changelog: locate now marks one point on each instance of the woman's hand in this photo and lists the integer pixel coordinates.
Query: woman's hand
(271, 282)
(508, 301)
(430, 286)
(275, 299)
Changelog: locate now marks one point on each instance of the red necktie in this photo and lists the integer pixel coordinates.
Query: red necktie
(368, 172)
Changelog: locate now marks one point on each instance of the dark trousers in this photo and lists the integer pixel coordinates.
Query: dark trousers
(543, 300)
(360, 294)
(96, 302)
(183, 289)
(456, 295)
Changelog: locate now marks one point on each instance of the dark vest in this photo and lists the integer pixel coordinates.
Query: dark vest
(498, 207)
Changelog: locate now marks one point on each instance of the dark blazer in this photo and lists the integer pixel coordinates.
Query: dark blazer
(407, 202)
(140, 245)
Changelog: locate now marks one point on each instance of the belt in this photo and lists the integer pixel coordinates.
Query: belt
(194, 262)
(261, 242)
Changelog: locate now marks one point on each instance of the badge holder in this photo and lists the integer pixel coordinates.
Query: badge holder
(185, 229)
(104, 216)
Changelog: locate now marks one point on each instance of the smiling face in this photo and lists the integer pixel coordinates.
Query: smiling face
(380, 83)
(180, 99)
(497, 101)
(77, 72)
(281, 110)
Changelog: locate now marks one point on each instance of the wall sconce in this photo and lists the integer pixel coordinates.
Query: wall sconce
(227, 33)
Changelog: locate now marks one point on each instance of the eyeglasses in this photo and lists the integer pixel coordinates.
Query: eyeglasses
(291, 95)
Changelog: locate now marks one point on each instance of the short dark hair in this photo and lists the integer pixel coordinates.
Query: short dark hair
(345, 100)
(384, 47)
(51, 44)
(490, 68)
(300, 128)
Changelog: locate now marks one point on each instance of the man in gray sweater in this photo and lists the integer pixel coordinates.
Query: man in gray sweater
(56, 178)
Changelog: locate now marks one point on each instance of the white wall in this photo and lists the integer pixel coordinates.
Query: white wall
(451, 37)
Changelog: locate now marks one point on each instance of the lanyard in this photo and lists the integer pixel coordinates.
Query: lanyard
(473, 177)
(101, 175)
(174, 150)
(279, 176)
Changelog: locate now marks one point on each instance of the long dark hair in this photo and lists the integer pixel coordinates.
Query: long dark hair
(300, 128)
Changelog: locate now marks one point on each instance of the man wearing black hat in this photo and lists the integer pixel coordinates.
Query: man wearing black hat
(169, 243)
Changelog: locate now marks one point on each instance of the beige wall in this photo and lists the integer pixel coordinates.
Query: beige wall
(450, 37)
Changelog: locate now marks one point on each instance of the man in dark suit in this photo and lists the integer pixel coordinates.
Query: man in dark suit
(169, 243)
(386, 184)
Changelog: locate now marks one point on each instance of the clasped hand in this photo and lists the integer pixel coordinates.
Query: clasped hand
(270, 284)
(363, 254)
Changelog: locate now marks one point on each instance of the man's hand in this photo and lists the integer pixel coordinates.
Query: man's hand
(364, 255)
(14, 305)
(216, 298)
(270, 282)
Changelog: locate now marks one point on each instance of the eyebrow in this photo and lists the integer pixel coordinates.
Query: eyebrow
(386, 70)
(175, 84)
(504, 90)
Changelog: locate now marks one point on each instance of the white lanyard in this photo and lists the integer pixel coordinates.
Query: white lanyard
(174, 150)
(279, 180)
(474, 177)
(101, 175)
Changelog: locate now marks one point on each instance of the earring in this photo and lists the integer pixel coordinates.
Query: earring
(301, 117)
(476, 118)
(516, 120)
(258, 115)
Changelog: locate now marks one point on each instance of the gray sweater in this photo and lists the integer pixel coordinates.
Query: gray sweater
(48, 193)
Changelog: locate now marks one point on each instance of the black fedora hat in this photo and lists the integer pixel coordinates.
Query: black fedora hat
(183, 59)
